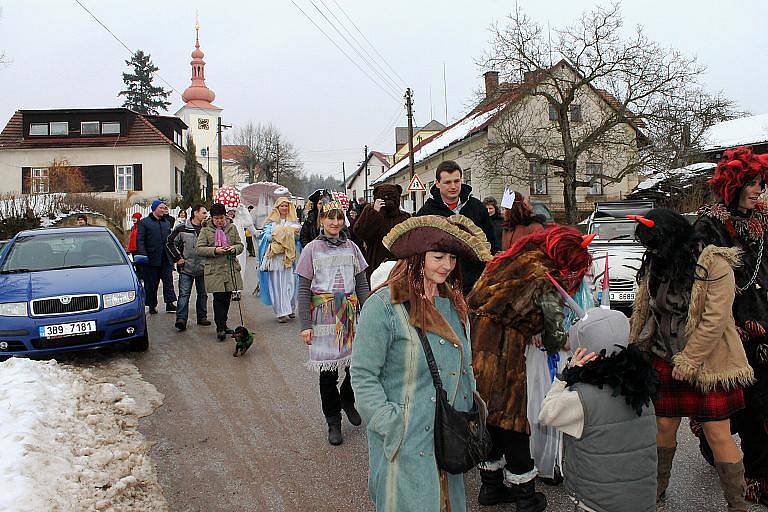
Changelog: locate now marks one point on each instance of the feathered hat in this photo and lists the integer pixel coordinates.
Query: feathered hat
(455, 235)
(737, 168)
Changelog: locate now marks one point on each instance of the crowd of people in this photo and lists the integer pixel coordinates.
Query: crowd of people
(467, 303)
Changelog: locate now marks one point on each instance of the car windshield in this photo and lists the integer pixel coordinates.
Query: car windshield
(613, 230)
(60, 251)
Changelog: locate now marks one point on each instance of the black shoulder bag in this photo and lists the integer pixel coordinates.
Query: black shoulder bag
(462, 440)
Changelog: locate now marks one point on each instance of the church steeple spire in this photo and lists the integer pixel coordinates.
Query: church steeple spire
(198, 94)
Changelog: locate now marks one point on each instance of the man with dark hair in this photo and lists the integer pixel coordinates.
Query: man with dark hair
(153, 232)
(182, 244)
(450, 197)
(82, 220)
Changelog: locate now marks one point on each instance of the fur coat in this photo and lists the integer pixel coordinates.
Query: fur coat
(371, 226)
(511, 303)
(713, 353)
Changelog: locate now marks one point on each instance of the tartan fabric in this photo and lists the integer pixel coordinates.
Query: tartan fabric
(678, 399)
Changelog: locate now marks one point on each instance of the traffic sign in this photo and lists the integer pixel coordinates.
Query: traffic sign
(416, 185)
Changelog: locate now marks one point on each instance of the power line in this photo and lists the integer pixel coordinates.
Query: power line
(405, 84)
(387, 92)
(370, 60)
(123, 44)
(393, 121)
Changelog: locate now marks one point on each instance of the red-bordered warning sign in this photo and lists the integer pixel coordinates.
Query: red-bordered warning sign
(416, 185)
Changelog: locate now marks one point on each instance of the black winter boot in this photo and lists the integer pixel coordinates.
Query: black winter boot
(352, 415)
(528, 499)
(334, 430)
(493, 491)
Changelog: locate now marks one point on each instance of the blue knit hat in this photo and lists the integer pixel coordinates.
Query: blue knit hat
(156, 203)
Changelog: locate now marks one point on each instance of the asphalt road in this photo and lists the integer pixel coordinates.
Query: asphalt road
(247, 434)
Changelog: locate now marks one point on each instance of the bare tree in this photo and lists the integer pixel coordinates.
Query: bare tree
(585, 92)
(265, 153)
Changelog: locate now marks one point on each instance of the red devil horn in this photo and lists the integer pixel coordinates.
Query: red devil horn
(642, 220)
(736, 165)
(587, 239)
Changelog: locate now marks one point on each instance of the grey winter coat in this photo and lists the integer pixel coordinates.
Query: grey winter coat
(222, 271)
(182, 244)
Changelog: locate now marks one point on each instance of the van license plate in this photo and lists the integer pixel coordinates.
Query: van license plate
(71, 329)
(623, 296)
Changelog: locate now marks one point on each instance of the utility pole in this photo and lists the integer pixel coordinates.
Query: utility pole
(344, 176)
(277, 162)
(365, 163)
(219, 127)
(409, 107)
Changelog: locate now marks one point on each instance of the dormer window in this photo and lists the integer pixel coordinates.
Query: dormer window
(60, 128)
(38, 129)
(90, 128)
(110, 128)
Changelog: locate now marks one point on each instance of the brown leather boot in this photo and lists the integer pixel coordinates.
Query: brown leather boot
(664, 469)
(734, 486)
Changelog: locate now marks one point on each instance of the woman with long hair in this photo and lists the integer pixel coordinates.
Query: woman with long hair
(390, 376)
(332, 287)
(519, 221)
(740, 219)
(683, 317)
(513, 302)
(279, 249)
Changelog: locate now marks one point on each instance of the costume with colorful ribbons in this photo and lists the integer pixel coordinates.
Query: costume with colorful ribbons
(344, 308)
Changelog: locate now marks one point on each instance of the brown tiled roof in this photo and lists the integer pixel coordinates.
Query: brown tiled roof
(231, 151)
(140, 132)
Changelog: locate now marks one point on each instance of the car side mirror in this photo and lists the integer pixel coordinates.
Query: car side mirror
(140, 259)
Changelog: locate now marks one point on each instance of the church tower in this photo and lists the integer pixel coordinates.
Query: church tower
(199, 112)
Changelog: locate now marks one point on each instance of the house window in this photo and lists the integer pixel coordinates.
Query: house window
(124, 174)
(467, 176)
(60, 128)
(595, 173)
(538, 173)
(178, 139)
(90, 128)
(110, 128)
(575, 112)
(354, 195)
(39, 180)
(553, 112)
(204, 152)
(38, 129)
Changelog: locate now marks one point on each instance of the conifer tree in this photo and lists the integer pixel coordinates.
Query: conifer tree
(140, 94)
(190, 181)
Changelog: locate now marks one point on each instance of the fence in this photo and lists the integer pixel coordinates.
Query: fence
(144, 211)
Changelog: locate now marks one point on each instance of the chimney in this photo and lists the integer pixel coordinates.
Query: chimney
(491, 82)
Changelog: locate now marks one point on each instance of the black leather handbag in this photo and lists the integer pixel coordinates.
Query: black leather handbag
(462, 440)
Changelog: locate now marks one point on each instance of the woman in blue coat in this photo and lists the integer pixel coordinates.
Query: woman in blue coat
(392, 383)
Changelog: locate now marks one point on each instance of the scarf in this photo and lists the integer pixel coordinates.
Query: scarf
(628, 372)
(221, 238)
(751, 227)
(335, 241)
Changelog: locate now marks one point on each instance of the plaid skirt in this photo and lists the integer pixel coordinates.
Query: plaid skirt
(678, 398)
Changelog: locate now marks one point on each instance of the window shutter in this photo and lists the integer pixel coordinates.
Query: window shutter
(137, 181)
(26, 180)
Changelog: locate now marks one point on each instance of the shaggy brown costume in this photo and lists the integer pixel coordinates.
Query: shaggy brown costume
(507, 308)
(371, 226)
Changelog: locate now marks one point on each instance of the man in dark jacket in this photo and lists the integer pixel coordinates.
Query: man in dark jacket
(153, 232)
(182, 245)
(450, 197)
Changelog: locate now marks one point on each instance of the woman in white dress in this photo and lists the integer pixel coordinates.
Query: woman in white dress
(278, 252)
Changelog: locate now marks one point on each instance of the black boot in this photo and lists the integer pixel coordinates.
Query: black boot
(528, 499)
(493, 491)
(352, 415)
(334, 430)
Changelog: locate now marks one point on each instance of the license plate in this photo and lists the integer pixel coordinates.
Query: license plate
(623, 296)
(71, 329)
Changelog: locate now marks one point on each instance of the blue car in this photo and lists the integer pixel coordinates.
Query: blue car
(64, 289)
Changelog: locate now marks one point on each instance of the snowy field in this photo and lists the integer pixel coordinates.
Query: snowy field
(69, 439)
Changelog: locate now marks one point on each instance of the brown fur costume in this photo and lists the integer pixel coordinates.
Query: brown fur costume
(508, 306)
(371, 226)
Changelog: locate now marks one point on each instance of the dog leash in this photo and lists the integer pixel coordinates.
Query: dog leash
(232, 275)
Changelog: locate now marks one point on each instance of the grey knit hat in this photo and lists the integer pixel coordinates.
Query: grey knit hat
(600, 329)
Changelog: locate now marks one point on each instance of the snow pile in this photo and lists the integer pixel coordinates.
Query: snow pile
(683, 176)
(69, 442)
(454, 133)
(744, 131)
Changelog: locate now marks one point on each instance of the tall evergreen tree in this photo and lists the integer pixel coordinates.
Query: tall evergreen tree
(140, 94)
(208, 187)
(190, 180)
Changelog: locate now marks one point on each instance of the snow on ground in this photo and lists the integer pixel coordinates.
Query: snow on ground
(69, 439)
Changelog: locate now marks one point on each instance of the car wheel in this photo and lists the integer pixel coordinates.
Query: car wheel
(140, 344)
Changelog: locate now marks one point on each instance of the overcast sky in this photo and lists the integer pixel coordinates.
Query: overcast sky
(267, 63)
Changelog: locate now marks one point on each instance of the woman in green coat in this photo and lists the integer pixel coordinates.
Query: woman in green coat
(392, 383)
(219, 243)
